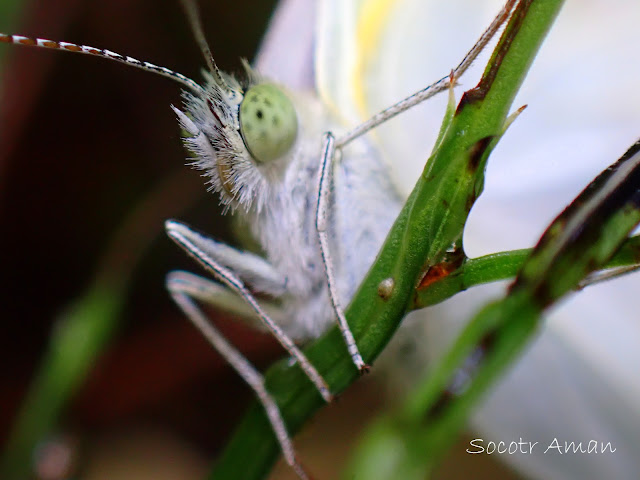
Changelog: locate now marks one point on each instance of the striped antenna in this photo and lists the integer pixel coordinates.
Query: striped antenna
(108, 54)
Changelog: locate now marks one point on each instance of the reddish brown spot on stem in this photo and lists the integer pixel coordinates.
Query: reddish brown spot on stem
(5, 38)
(50, 44)
(435, 273)
(27, 41)
(502, 49)
(477, 152)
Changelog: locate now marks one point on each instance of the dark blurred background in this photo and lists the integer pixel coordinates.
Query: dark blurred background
(83, 144)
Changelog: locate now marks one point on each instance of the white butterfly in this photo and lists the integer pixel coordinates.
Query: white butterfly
(337, 54)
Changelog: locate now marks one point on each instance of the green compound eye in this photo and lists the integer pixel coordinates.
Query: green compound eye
(268, 122)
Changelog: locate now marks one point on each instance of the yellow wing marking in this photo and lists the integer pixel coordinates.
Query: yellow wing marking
(371, 21)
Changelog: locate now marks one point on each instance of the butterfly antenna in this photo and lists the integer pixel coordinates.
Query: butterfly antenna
(193, 16)
(103, 53)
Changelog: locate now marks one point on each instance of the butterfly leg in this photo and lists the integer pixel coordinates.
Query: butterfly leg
(322, 212)
(213, 293)
(185, 289)
(251, 269)
(203, 250)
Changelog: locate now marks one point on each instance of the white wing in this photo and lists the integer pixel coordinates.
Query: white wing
(579, 381)
(287, 48)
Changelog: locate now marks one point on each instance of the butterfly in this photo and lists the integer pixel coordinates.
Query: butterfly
(343, 99)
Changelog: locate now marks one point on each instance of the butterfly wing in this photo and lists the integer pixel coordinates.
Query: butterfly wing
(286, 51)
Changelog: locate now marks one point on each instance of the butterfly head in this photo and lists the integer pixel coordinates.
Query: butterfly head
(241, 135)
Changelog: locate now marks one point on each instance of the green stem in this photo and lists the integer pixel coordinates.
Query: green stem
(503, 266)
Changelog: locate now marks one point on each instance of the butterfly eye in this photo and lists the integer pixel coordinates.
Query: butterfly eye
(268, 122)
